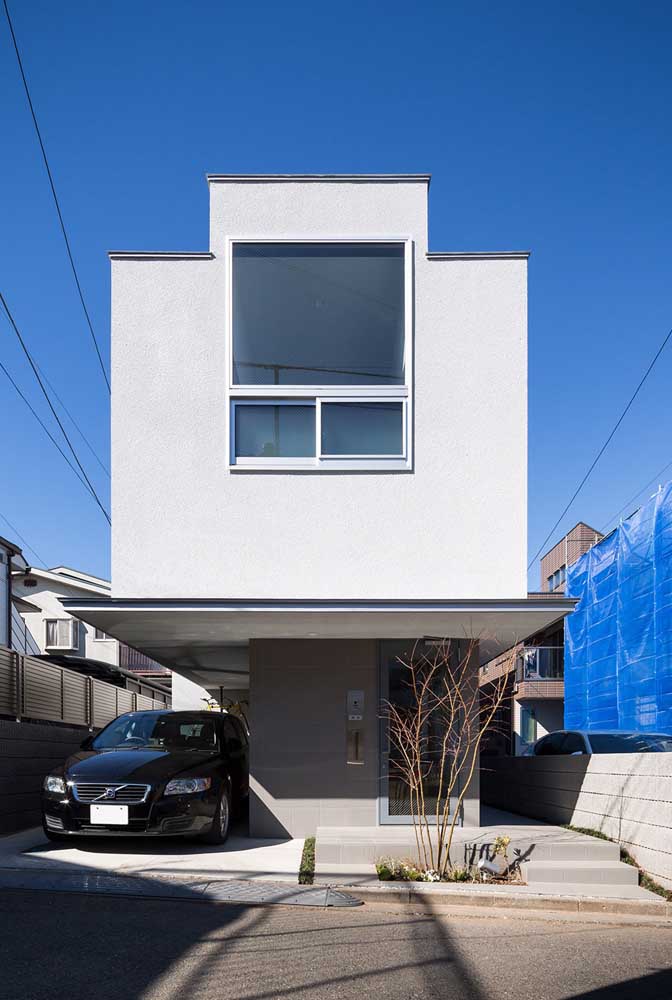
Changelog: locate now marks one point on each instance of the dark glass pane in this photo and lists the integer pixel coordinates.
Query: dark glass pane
(630, 742)
(573, 743)
(362, 428)
(282, 431)
(318, 314)
(395, 657)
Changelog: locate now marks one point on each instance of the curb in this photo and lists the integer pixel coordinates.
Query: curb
(430, 896)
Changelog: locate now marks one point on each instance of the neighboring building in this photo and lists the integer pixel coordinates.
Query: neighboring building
(319, 433)
(55, 632)
(537, 691)
(13, 631)
(618, 643)
(570, 548)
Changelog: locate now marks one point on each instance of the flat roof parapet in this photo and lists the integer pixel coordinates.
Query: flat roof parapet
(324, 178)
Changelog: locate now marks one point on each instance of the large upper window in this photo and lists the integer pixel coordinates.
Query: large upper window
(320, 348)
(318, 314)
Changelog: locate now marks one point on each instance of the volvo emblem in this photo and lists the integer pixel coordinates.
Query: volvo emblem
(110, 793)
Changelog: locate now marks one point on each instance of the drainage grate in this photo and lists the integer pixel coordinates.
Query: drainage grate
(221, 891)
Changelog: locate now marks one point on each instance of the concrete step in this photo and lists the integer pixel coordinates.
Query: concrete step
(580, 872)
(584, 849)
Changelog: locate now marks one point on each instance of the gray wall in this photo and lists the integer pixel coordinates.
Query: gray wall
(299, 775)
(28, 751)
(628, 797)
(300, 778)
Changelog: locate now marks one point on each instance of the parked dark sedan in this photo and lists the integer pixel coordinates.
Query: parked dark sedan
(152, 774)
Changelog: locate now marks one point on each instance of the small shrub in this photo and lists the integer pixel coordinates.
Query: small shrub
(394, 870)
(458, 874)
(307, 866)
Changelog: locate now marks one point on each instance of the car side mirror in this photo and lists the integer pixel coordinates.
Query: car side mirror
(86, 743)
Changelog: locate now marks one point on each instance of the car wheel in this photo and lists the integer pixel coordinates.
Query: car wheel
(222, 821)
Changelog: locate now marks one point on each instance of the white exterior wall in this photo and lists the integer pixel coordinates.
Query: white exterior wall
(187, 696)
(48, 600)
(454, 527)
(549, 717)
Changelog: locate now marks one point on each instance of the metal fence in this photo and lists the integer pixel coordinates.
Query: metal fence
(46, 692)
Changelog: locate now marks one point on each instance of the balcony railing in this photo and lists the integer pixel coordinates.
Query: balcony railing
(131, 659)
(540, 663)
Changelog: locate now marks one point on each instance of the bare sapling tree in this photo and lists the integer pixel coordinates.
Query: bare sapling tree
(436, 735)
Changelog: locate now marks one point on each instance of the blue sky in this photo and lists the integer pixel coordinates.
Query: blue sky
(545, 127)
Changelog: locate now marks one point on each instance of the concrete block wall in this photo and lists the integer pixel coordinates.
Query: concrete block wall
(29, 751)
(628, 797)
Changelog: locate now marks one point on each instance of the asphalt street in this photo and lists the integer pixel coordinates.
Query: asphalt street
(69, 947)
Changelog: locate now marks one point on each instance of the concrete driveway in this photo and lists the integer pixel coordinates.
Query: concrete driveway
(241, 856)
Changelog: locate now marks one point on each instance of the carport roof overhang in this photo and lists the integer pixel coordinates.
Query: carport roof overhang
(189, 635)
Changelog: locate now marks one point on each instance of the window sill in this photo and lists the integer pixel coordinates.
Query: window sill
(326, 465)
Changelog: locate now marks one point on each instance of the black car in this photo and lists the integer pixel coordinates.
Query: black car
(152, 774)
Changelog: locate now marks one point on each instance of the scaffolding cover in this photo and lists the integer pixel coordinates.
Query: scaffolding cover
(618, 641)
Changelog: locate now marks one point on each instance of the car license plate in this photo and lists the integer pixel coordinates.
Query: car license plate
(109, 815)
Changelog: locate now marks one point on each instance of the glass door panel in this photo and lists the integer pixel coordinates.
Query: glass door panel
(395, 798)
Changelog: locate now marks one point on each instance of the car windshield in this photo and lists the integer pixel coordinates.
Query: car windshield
(630, 742)
(158, 731)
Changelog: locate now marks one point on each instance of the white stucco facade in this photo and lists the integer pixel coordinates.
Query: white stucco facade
(47, 589)
(451, 527)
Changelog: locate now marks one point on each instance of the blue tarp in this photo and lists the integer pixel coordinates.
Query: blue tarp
(618, 641)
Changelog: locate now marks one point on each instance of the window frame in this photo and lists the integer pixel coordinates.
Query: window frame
(317, 394)
(74, 633)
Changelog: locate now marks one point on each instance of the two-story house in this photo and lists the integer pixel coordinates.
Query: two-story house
(326, 424)
(50, 631)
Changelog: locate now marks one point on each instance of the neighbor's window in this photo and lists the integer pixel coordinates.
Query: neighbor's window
(327, 321)
(528, 725)
(62, 633)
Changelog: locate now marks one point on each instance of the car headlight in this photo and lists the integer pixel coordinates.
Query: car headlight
(54, 784)
(187, 786)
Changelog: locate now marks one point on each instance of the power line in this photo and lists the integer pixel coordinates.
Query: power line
(43, 426)
(52, 408)
(26, 545)
(75, 424)
(55, 196)
(655, 479)
(604, 446)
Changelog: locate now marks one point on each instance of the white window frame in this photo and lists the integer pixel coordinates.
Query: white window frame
(102, 638)
(74, 633)
(317, 394)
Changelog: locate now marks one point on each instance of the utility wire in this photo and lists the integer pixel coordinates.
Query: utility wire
(17, 534)
(655, 479)
(604, 446)
(44, 426)
(74, 423)
(55, 196)
(52, 408)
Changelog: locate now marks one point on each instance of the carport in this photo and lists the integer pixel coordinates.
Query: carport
(313, 673)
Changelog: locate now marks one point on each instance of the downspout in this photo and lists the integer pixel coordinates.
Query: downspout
(9, 600)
